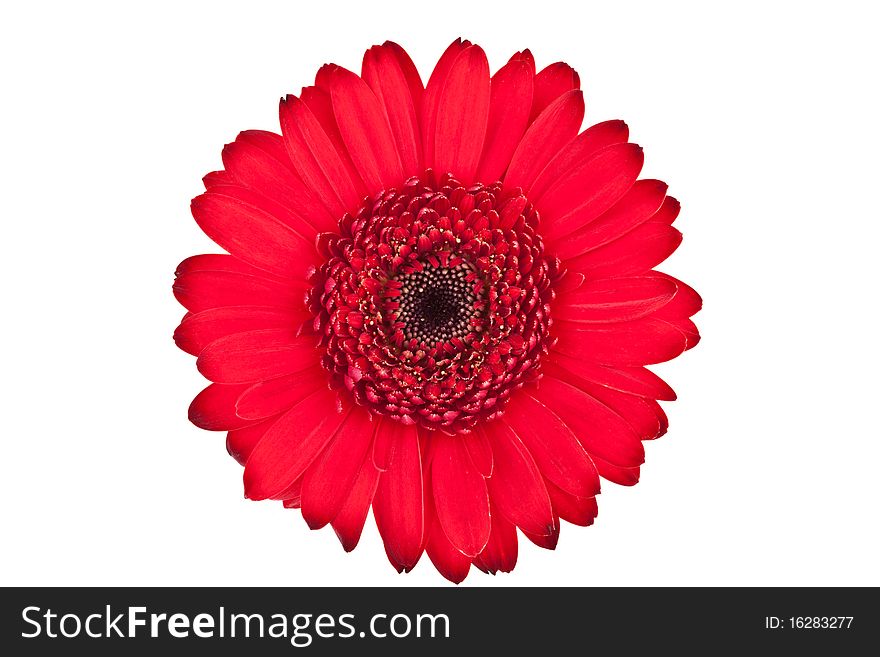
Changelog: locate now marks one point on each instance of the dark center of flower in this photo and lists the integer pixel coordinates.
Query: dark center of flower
(437, 303)
(433, 304)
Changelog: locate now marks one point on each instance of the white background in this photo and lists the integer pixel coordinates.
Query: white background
(762, 117)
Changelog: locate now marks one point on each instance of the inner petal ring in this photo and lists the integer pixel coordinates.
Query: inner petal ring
(433, 303)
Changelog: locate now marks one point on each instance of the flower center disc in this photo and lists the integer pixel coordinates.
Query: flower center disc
(437, 303)
(433, 303)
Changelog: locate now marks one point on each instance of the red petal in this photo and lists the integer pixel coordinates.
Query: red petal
(554, 128)
(217, 178)
(599, 429)
(639, 413)
(292, 497)
(581, 148)
(685, 303)
(500, 552)
(551, 83)
(271, 207)
(318, 101)
(241, 442)
(270, 142)
(632, 380)
(214, 408)
(349, 523)
(569, 282)
(256, 355)
(557, 452)
(661, 416)
(641, 342)
(252, 235)
(462, 116)
(223, 262)
(480, 451)
(316, 159)
(274, 396)
(198, 330)
(581, 511)
(509, 107)
(383, 443)
(450, 563)
(411, 73)
(202, 290)
(330, 479)
(516, 486)
(636, 207)
(527, 56)
(546, 541)
(606, 300)
(389, 72)
(398, 505)
(689, 329)
(291, 445)
(668, 212)
(364, 127)
(616, 474)
(256, 165)
(589, 189)
(645, 416)
(636, 252)
(431, 100)
(460, 498)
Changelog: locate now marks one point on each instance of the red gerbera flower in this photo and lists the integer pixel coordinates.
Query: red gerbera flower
(439, 301)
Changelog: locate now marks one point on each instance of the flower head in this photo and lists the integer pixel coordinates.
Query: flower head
(438, 302)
